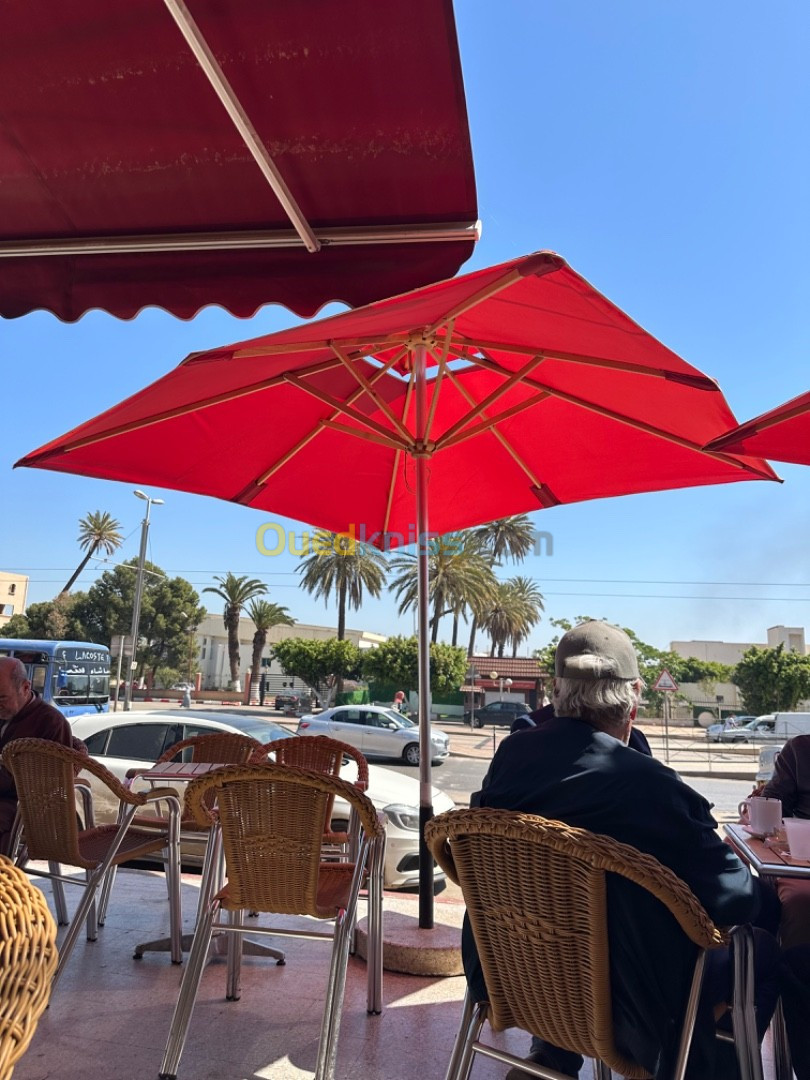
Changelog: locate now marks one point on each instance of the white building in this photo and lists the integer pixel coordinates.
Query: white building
(13, 595)
(212, 648)
(732, 652)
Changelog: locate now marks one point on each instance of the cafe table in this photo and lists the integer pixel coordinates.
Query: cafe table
(184, 772)
(769, 857)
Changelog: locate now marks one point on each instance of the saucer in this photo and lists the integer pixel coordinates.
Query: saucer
(757, 834)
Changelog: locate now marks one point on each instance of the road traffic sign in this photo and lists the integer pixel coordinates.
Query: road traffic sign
(665, 682)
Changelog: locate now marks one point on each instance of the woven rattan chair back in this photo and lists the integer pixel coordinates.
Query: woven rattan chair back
(272, 818)
(44, 775)
(28, 959)
(320, 754)
(535, 892)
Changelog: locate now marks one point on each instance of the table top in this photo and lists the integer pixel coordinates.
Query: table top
(768, 857)
(180, 770)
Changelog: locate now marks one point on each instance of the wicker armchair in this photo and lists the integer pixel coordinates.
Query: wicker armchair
(27, 961)
(535, 892)
(320, 754)
(45, 777)
(269, 820)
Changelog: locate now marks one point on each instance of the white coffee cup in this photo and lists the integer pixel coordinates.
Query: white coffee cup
(798, 837)
(764, 815)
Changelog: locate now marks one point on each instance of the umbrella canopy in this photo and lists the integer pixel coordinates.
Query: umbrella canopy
(539, 391)
(782, 434)
(503, 391)
(235, 153)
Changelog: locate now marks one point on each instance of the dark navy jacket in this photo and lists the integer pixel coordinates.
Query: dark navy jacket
(566, 770)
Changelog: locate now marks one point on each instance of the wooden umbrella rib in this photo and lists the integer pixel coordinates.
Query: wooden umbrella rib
(369, 436)
(441, 361)
(498, 435)
(367, 387)
(491, 399)
(488, 423)
(343, 408)
(291, 453)
(697, 381)
(469, 302)
(261, 480)
(756, 427)
(291, 348)
(389, 502)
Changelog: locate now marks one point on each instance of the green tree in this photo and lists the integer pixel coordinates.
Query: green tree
(265, 615)
(50, 620)
(507, 538)
(396, 662)
(169, 606)
(98, 531)
(235, 592)
(772, 679)
(320, 664)
(343, 568)
(459, 576)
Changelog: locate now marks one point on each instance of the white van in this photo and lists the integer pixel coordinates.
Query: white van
(788, 724)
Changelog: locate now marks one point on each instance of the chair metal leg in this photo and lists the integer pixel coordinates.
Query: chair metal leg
(458, 1044)
(601, 1071)
(92, 908)
(783, 1066)
(333, 1004)
(172, 857)
(690, 1016)
(374, 957)
(59, 902)
(478, 1015)
(743, 1017)
(188, 993)
(233, 988)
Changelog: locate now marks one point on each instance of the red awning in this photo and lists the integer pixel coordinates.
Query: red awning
(235, 154)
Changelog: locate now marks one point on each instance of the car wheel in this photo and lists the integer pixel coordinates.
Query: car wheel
(410, 755)
(479, 722)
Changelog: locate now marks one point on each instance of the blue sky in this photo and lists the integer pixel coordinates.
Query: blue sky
(661, 148)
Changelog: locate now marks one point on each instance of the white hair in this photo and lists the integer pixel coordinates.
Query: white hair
(605, 703)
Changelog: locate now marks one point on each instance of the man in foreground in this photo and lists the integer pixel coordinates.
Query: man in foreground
(578, 768)
(23, 715)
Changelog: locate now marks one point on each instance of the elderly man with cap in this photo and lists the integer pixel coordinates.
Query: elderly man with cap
(23, 715)
(576, 767)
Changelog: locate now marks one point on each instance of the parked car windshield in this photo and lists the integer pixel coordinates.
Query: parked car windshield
(400, 720)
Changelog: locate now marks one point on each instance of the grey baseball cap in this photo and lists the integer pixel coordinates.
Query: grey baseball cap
(595, 650)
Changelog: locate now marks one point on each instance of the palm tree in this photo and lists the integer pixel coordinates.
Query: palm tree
(342, 567)
(528, 602)
(459, 576)
(235, 592)
(265, 615)
(514, 613)
(97, 531)
(507, 538)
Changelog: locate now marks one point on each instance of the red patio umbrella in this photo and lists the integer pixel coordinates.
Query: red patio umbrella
(782, 434)
(237, 153)
(514, 388)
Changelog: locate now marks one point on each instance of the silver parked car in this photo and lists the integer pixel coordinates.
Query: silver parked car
(376, 731)
(122, 741)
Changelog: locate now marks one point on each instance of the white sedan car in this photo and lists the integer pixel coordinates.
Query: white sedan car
(132, 740)
(376, 731)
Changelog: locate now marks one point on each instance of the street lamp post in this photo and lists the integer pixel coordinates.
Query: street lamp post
(136, 607)
(494, 675)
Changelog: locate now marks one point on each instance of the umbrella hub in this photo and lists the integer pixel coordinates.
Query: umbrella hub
(423, 448)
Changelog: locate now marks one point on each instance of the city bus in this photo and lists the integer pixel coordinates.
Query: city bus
(72, 675)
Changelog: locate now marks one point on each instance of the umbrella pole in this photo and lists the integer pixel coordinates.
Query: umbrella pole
(422, 541)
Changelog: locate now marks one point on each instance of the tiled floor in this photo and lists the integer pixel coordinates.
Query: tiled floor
(110, 1015)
